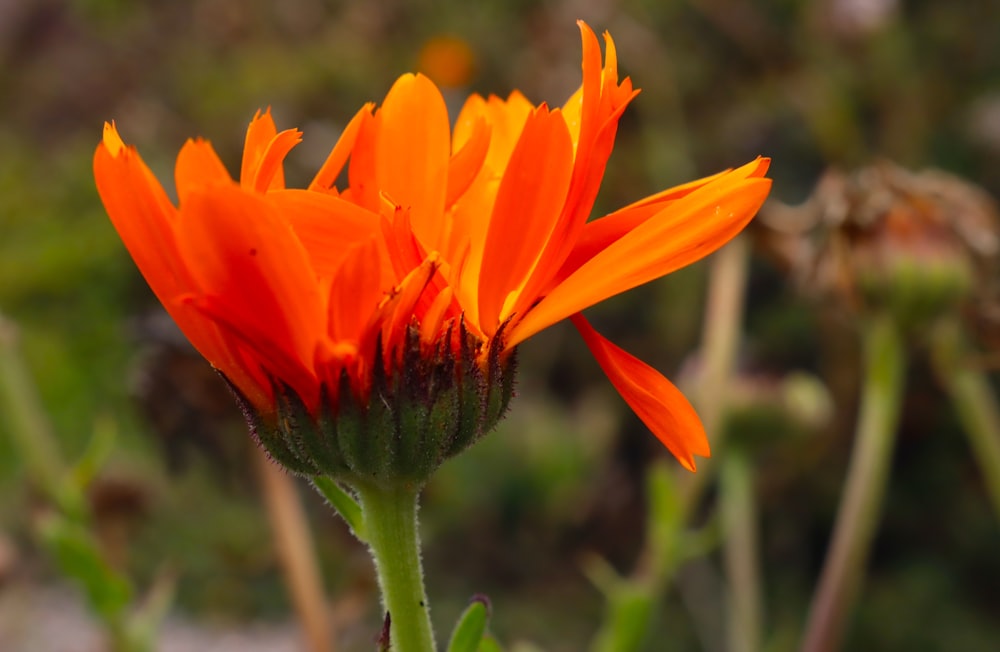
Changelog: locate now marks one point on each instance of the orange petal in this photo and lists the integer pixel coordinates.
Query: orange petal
(506, 119)
(362, 177)
(398, 310)
(264, 151)
(467, 162)
(145, 220)
(259, 134)
(326, 225)
(253, 276)
(597, 107)
(655, 400)
(683, 232)
(270, 167)
(334, 163)
(197, 166)
(432, 320)
(413, 149)
(265, 352)
(529, 202)
(590, 89)
(356, 291)
(600, 233)
(141, 213)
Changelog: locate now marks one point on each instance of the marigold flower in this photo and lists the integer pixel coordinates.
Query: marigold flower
(400, 299)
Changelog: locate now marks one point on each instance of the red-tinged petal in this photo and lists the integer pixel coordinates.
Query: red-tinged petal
(356, 291)
(655, 400)
(198, 166)
(529, 201)
(257, 339)
(397, 311)
(334, 163)
(431, 321)
(412, 153)
(255, 274)
(683, 232)
(327, 226)
(405, 252)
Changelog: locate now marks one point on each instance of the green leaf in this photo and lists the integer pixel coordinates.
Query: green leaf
(468, 633)
(489, 644)
(343, 503)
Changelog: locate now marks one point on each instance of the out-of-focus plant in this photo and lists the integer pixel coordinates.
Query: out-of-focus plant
(64, 521)
(733, 409)
(902, 253)
(631, 601)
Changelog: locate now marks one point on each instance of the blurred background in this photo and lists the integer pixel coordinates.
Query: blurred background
(814, 85)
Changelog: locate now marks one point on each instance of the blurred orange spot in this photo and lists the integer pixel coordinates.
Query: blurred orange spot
(448, 60)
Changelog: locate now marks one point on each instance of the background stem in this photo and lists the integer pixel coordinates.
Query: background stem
(29, 427)
(738, 508)
(723, 324)
(974, 401)
(843, 570)
(294, 546)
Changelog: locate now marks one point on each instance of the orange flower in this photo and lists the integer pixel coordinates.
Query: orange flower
(447, 249)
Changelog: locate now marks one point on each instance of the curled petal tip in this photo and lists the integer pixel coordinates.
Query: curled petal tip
(112, 141)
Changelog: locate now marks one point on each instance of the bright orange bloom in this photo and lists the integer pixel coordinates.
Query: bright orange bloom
(445, 241)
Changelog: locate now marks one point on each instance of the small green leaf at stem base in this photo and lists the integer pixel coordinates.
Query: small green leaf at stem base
(470, 628)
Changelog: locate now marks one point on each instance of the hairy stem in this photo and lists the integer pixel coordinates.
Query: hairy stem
(390, 517)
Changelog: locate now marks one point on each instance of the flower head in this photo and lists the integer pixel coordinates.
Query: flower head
(397, 302)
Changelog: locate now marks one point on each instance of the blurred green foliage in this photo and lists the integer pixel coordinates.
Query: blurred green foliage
(811, 84)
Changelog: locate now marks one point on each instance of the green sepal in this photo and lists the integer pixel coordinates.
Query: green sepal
(426, 403)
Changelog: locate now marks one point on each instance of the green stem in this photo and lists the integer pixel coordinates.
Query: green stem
(390, 518)
(738, 509)
(974, 401)
(867, 477)
(724, 308)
